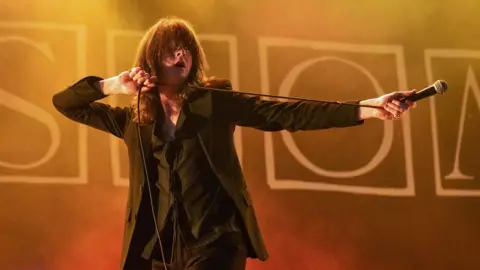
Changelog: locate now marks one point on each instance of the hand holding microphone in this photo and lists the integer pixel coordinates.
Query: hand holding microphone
(439, 87)
(389, 106)
(394, 105)
(129, 82)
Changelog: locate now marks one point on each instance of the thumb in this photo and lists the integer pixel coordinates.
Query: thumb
(411, 92)
(401, 94)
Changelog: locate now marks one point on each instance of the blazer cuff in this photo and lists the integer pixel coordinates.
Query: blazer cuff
(354, 119)
(88, 84)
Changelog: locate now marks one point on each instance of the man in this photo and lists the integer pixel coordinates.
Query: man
(192, 209)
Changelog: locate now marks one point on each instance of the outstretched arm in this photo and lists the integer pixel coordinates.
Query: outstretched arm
(253, 112)
(290, 116)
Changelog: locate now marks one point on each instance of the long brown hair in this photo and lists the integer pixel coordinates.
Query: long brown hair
(158, 41)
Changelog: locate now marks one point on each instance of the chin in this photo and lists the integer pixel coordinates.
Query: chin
(178, 81)
(183, 78)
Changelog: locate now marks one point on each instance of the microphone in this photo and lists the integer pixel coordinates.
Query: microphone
(439, 87)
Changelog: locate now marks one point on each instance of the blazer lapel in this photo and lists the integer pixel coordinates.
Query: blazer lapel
(200, 111)
(200, 105)
(199, 114)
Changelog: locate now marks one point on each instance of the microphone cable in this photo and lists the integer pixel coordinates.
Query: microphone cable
(283, 97)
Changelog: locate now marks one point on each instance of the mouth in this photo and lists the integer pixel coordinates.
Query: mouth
(179, 65)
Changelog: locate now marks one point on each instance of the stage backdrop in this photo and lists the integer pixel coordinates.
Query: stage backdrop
(402, 195)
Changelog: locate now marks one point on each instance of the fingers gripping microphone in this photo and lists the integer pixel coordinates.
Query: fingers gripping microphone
(439, 87)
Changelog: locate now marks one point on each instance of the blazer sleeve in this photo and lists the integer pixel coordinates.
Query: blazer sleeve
(78, 103)
(249, 111)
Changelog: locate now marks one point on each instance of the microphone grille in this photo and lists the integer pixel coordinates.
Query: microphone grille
(440, 86)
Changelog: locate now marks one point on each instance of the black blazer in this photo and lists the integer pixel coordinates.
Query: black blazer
(217, 113)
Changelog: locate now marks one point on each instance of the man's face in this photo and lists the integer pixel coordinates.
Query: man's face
(176, 65)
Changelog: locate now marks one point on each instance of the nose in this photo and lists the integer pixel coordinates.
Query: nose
(179, 53)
